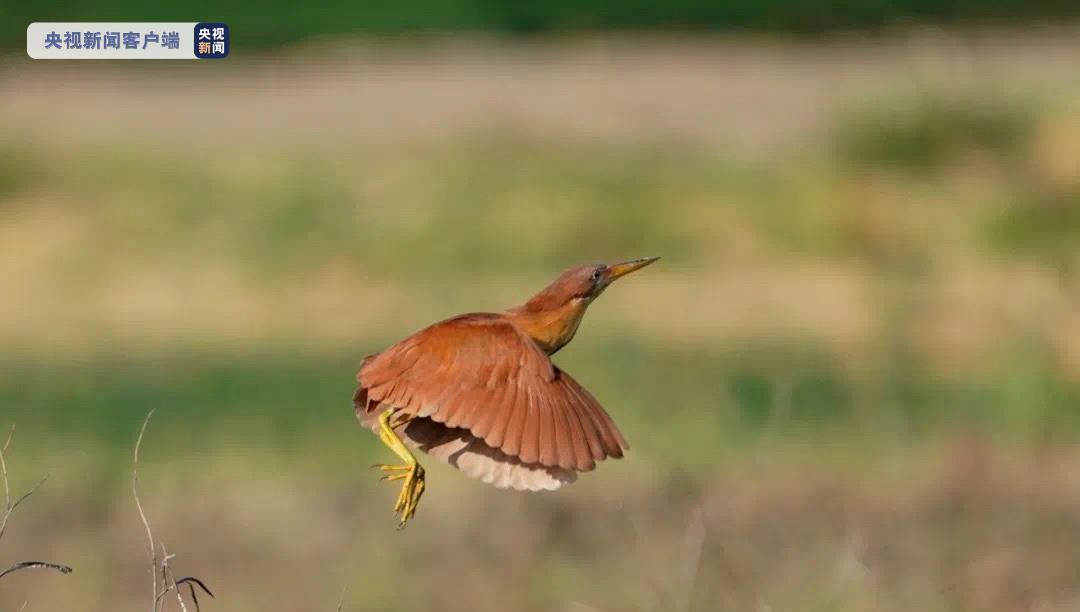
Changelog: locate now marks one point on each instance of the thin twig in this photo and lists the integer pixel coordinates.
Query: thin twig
(690, 559)
(23, 497)
(191, 581)
(169, 583)
(4, 477)
(8, 441)
(138, 504)
(167, 576)
(341, 600)
(656, 570)
(9, 509)
(63, 569)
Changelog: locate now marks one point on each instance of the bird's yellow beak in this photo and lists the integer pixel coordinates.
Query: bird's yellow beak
(615, 271)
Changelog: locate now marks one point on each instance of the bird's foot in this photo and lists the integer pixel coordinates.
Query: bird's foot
(411, 490)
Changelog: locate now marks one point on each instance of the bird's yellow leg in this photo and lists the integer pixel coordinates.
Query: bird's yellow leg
(412, 472)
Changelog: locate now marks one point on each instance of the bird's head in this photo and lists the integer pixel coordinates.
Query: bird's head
(585, 283)
(551, 317)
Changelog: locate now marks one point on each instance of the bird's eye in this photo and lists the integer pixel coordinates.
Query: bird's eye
(597, 274)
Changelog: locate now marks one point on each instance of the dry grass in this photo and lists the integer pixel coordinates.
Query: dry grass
(10, 505)
(965, 528)
(732, 94)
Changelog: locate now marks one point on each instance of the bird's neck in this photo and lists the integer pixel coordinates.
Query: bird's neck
(550, 327)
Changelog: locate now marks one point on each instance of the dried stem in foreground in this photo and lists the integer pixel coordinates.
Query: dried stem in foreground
(341, 600)
(21, 565)
(167, 577)
(169, 583)
(9, 508)
(142, 515)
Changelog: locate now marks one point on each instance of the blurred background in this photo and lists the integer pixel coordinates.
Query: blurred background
(852, 383)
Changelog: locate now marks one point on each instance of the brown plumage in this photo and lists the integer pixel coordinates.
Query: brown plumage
(479, 391)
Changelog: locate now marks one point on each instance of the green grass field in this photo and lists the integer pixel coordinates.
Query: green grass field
(852, 382)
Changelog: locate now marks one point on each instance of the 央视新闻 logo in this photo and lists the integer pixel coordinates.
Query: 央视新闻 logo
(211, 40)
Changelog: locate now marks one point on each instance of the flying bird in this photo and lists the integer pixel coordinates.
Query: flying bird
(479, 392)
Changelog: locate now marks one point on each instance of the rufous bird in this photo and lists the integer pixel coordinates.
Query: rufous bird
(479, 392)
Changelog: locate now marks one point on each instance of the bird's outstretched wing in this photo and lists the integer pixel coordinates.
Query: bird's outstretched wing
(480, 373)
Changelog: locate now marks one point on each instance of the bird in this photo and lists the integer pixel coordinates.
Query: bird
(479, 392)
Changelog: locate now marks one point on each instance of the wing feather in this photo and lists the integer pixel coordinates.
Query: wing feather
(499, 388)
(501, 418)
(589, 406)
(564, 443)
(530, 434)
(592, 437)
(583, 458)
(494, 391)
(481, 373)
(516, 425)
(548, 447)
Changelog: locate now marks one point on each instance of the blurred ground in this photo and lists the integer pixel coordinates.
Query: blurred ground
(852, 383)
